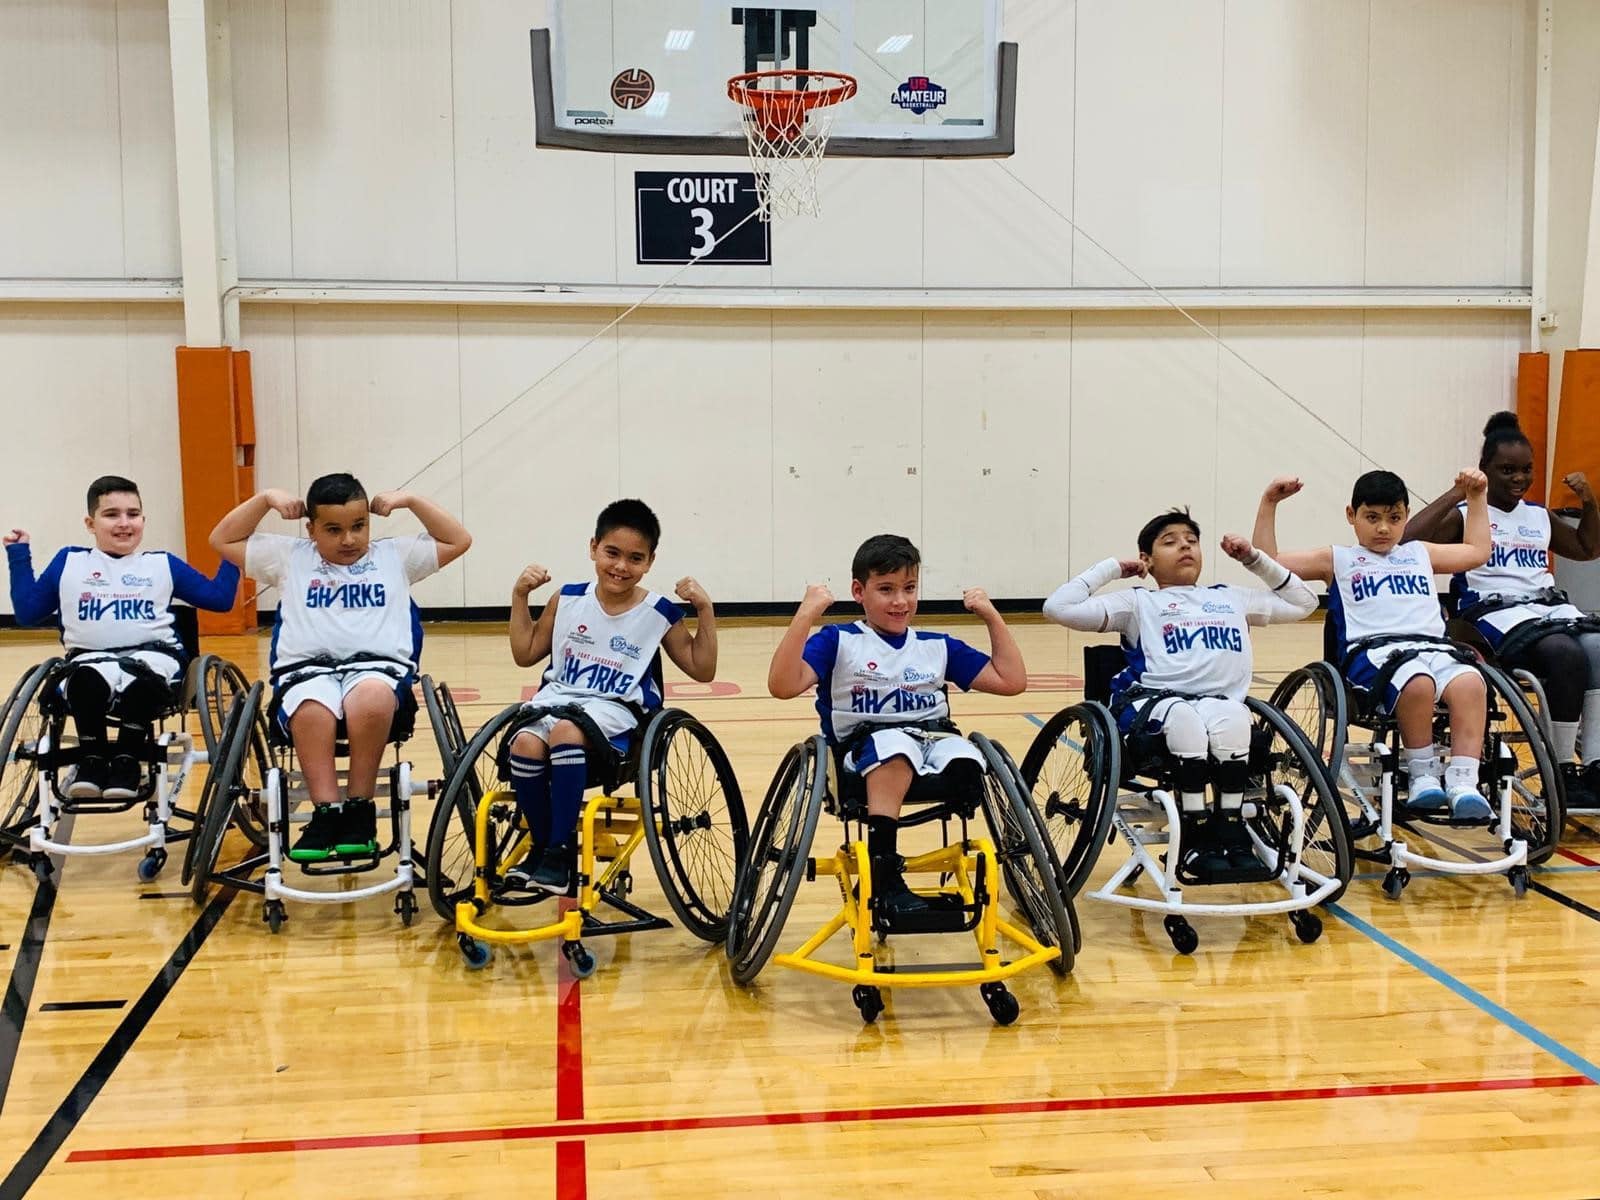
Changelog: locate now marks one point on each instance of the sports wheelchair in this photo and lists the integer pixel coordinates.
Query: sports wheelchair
(1463, 628)
(36, 753)
(673, 790)
(1092, 785)
(1360, 745)
(964, 899)
(256, 787)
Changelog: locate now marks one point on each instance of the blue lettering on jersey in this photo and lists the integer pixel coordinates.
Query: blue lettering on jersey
(1529, 558)
(596, 677)
(1365, 587)
(92, 609)
(894, 700)
(345, 595)
(1207, 637)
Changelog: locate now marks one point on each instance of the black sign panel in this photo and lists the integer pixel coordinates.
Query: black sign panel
(706, 216)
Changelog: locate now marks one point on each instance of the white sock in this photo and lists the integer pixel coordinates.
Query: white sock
(1462, 772)
(1591, 725)
(1421, 761)
(1231, 801)
(1565, 736)
(1193, 802)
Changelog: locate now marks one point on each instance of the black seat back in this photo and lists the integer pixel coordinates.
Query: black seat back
(186, 628)
(1102, 664)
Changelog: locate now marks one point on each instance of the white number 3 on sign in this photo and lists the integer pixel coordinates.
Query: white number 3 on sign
(706, 241)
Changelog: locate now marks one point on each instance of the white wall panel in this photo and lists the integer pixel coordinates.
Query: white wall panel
(996, 420)
(1149, 134)
(148, 146)
(259, 33)
(869, 233)
(371, 139)
(268, 332)
(847, 441)
(1294, 135)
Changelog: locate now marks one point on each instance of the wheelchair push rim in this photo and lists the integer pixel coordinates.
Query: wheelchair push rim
(1536, 792)
(451, 849)
(445, 720)
(1069, 770)
(21, 723)
(1292, 761)
(225, 787)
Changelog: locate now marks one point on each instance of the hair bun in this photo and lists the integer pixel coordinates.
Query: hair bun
(1501, 422)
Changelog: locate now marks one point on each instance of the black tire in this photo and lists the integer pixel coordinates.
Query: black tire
(1292, 762)
(694, 820)
(1072, 770)
(445, 721)
(451, 857)
(780, 845)
(1314, 698)
(22, 722)
(1537, 814)
(217, 682)
(219, 798)
(1027, 859)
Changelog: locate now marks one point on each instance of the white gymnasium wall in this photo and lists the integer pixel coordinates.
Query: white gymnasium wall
(1214, 143)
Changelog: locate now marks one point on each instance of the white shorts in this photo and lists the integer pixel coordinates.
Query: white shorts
(1442, 667)
(1496, 624)
(329, 690)
(615, 720)
(167, 666)
(927, 753)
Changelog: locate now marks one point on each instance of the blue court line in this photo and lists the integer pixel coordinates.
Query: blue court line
(1471, 995)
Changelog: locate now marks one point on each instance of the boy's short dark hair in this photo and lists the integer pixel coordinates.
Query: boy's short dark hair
(340, 488)
(629, 514)
(107, 484)
(1380, 489)
(883, 554)
(1153, 527)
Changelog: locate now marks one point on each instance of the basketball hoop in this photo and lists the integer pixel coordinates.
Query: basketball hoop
(786, 125)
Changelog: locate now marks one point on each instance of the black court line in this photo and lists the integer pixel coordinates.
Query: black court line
(98, 1073)
(25, 967)
(81, 1005)
(1577, 906)
(163, 895)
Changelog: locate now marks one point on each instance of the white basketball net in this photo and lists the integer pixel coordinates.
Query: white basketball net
(786, 166)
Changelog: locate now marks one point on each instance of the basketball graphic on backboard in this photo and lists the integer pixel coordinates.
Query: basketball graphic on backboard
(632, 89)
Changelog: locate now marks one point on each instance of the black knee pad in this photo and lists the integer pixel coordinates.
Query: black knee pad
(1232, 775)
(963, 776)
(1191, 775)
(88, 692)
(1562, 666)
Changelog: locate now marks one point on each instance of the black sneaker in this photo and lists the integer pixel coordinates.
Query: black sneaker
(1591, 783)
(1203, 854)
(88, 782)
(520, 877)
(358, 831)
(1237, 847)
(320, 835)
(124, 778)
(890, 893)
(555, 870)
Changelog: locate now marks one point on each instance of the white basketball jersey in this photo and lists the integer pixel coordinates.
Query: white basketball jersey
(1519, 563)
(328, 610)
(1191, 640)
(112, 603)
(874, 682)
(1374, 595)
(595, 654)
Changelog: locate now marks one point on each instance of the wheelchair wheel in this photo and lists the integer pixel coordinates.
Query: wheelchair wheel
(1536, 805)
(1027, 859)
(451, 860)
(448, 735)
(220, 798)
(1071, 771)
(695, 823)
(1315, 700)
(1287, 758)
(217, 682)
(22, 722)
(780, 845)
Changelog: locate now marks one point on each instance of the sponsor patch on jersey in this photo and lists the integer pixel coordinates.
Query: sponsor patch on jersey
(915, 676)
(622, 645)
(137, 581)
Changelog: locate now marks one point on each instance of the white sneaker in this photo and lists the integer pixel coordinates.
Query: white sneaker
(1468, 804)
(1426, 793)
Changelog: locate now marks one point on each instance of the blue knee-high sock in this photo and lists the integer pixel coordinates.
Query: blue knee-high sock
(530, 780)
(569, 771)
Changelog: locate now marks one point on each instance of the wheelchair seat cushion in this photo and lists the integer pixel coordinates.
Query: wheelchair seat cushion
(612, 757)
(400, 728)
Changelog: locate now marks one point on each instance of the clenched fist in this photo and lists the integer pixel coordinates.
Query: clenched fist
(533, 576)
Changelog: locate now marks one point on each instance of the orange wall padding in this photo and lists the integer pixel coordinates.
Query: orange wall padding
(1533, 414)
(216, 447)
(1578, 423)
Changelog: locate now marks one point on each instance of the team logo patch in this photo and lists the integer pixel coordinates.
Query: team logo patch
(362, 567)
(632, 89)
(1216, 606)
(1528, 533)
(872, 666)
(622, 645)
(96, 580)
(918, 95)
(137, 581)
(915, 676)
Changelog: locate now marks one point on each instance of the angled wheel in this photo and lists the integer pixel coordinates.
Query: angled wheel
(1285, 758)
(780, 845)
(220, 798)
(1071, 771)
(22, 723)
(1027, 859)
(445, 721)
(217, 682)
(451, 833)
(1315, 700)
(695, 823)
(1536, 794)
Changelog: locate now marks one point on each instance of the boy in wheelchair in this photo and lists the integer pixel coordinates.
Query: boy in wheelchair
(346, 637)
(114, 606)
(602, 639)
(1189, 669)
(882, 694)
(1389, 628)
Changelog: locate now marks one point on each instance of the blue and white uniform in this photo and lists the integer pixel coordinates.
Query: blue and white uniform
(868, 679)
(603, 662)
(341, 613)
(1519, 565)
(107, 603)
(1386, 595)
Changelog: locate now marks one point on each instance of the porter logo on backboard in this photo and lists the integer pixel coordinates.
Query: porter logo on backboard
(919, 94)
(632, 88)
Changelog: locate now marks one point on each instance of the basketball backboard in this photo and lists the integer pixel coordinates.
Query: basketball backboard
(651, 76)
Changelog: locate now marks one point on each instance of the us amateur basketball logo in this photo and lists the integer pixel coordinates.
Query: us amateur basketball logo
(919, 94)
(632, 88)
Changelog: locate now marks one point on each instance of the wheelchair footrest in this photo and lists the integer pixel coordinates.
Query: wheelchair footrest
(1229, 874)
(944, 914)
(335, 863)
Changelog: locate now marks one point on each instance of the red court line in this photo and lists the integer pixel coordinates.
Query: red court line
(572, 1171)
(572, 1164)
(920, 1112)
(1576, 857)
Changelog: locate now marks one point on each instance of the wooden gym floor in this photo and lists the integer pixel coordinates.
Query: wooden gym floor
(1444, 1044)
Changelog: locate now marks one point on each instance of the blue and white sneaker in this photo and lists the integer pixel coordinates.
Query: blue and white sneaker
(1468, 804)
(1427, 794)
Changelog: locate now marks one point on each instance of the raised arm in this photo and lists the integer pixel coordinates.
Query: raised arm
(33, 601)
(530, 640)
(695, 655)
(233, 531)
(1314, 564)
(1005, 674)
(1583, 543)
(449, 535)
(1075, 605)
(1477, 543)
(215, 594)
(1286, 597)
(1437, 522)
(790, 674)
